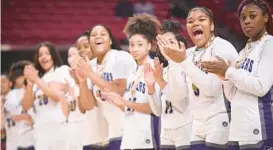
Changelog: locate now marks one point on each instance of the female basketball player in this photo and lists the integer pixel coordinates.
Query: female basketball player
(175, 102)
(18, 122)
(210, 115)
(48, 97)
(110, 69)
(247, 84)
(140, 123)
(5, 88)
(83, 45)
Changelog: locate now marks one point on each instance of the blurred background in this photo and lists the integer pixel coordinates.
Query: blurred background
(26, 23)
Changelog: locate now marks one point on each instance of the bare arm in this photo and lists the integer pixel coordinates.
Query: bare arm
(117, 86)
(87, 99)
(28, 98)
(139, 107)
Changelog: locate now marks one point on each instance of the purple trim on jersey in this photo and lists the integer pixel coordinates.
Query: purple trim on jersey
(155, 131)
(227, 105)
(262, 145)
(114, 144)
(167, 147)
(95, 147)
(28, 148)
(266, 116)
(197, 145)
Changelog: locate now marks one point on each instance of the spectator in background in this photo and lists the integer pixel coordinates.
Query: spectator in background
(179, 9)
(231, 5)
(144, 6)
(124, 9)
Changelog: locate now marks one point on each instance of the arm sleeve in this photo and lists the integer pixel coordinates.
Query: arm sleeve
(155, 102)
(11, 104)
(209, 83)
(259, 84)
(229, 89)
(176, 88)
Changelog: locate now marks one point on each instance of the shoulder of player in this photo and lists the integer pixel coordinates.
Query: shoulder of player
(63, 68)
(12, 94)
(123, 56)
(268, 44)
(222, 43)
(191, 49)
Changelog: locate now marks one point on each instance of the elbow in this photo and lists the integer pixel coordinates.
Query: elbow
(26, 106)
(262, 92)
(157, 113)
(87, 106)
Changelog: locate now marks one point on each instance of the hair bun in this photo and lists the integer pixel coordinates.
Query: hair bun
(169, 25)
(145, 24)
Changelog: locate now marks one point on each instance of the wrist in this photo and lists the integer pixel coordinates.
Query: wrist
(160, 80)
(183, 59)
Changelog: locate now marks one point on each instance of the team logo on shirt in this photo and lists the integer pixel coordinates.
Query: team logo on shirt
(107, 76)
(224, 124)
(247, 64)
(148, 141)
(43, 100)
(141, 87)
(256, 131)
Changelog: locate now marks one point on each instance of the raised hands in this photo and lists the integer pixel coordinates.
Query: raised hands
(172, 51)
(112, 98)
(218, 67)
(31, 73)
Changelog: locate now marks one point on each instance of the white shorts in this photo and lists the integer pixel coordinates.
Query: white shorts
(50, 136)
(26, 139)
(11, 144)
(213, 132)
(176, 138)
(76, 134)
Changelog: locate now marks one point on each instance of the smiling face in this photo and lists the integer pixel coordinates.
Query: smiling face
(83, 46)
(45, 59)
(100, 40)
(139, 47)
(253, 21)
(200, 27)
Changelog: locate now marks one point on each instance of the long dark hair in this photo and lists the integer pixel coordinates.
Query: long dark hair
(17, 69)
(57, 60)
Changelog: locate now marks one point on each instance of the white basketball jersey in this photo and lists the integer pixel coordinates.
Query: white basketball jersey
(205, 89)
(138, 127)
(174, 98)
(47, 110)
(75, 114)
(19, 133)
(250, 95)
(119, 65)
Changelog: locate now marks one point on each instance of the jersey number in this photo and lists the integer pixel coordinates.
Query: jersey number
(72, 105)
(43, 100)
(131, 100)
(11, 123)
(169, 108)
